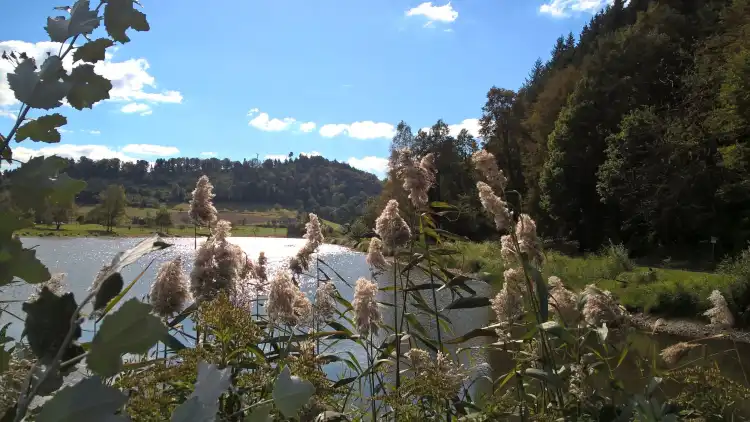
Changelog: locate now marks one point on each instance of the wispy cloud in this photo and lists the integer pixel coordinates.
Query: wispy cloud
(565, 8)
(472, 125)
(208, 154)
(372, 164)
(307, 127)
(434, 13)
(142, 108)
(359, 130)
(92, 132)
(149, 149)
(94, 152)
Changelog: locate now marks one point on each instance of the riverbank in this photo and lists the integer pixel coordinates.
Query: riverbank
(96, 230)
(686, 328)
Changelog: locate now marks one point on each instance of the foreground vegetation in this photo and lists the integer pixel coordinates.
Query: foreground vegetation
(96, 230)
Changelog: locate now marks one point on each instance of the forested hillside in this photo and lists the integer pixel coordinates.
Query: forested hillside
(334, 190)
(636, 131)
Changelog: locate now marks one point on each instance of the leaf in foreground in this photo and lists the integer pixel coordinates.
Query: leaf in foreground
(48, 322)
(119, 16)
(93, 51)
(82, 20)
(260, 413)
(43, 129)
(130, 329)
(87, 401)
(87, 87)
(290, 392)
(30, 88)
(203, 403)
(15, 261)
(469, 302)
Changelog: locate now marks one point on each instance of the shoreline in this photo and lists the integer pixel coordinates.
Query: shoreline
(128, 235)
(686, 328)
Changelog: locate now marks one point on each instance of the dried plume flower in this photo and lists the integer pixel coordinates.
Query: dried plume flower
(202, 210)
(600, 307)
(528, 241)
(314, 236)
(282, 296)
(719, 313)
(169, 291)
(674, 353)
(563, 302)
(375, 257)
(219, 264)
(440, 376)
(366, 307)
(391, 228)
(325, 305)
(486, 163)
(494, 205)
(418, 175)
(507, 304)
(302, 309)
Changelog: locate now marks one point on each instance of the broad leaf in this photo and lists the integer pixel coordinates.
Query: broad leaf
(130, 329)
(203, 403)
(108, 290)
(469, 302)
(43, 129)
(93, 51)
(290, 393)
(119, 16)
(82, 20)
(261, 413)
(15, 261)
(87, 401)
(129, 256)
(86, 87)
(38, 181)
(29, 87)
(48, 322)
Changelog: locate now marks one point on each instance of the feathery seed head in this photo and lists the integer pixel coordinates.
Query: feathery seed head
(202, 210)
(375, 258)
(391, 228)
(366, 307)
(169, 291)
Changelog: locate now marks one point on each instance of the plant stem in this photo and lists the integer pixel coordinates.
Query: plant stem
(395, 317)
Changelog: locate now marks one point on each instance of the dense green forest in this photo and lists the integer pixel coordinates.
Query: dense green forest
(334, 190)
(637, 131)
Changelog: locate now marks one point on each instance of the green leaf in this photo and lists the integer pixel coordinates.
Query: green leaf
(93, 51)
(38, 181)
(15, 261)
(86, 87)
(415, 324)
(477, 332)
(112, 303)
(557, 330)
(172, 342)
(423, 286)
(545, 376)
(260, 413)
(469, 302)
(36, 91)
(87, 401)
(130, 329)
(344, 381)
(438, 204)
(119, 16)
(43, 129)
(4, 360)
(290, 393)
(48, 322)
(541, 291)
(82, 20)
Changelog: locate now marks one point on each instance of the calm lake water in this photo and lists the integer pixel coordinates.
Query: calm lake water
(81, 258)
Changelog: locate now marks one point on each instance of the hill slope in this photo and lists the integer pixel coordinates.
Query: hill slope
(334, 190)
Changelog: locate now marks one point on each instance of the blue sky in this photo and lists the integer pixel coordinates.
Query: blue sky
(240, 78)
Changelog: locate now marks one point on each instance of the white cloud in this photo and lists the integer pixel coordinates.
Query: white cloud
(143, 109)
(94, 152)
(564, 8)
(307, 127)
(372, 164)
(148, 149)
(93, 132)
(63, 130)
(359, 130)
(131, 80)
(208, 154)
(264, 122)
(8, 114)
(444, 13)
(310, 154)
(472, 125)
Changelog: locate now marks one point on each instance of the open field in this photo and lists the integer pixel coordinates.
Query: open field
(242, 217)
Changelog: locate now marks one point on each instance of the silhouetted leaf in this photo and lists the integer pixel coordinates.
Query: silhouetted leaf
(31, 88)
(15, 261)
(541, 291)
(344, 381)
(130, 329)
(82, 20)
(469, 302)
(48, 322)
(39, 181)
(477, 332)
(545, 376)
(87, 401)
(119, 16)
(173, 343)
(87, 87)
(93, 51)
(423, 286)
(43, 129)
(109, 289)
(290, 393)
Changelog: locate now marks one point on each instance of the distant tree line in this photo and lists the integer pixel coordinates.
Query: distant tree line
(333, 190)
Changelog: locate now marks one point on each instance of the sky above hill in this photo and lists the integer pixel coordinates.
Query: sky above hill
(261, 78)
